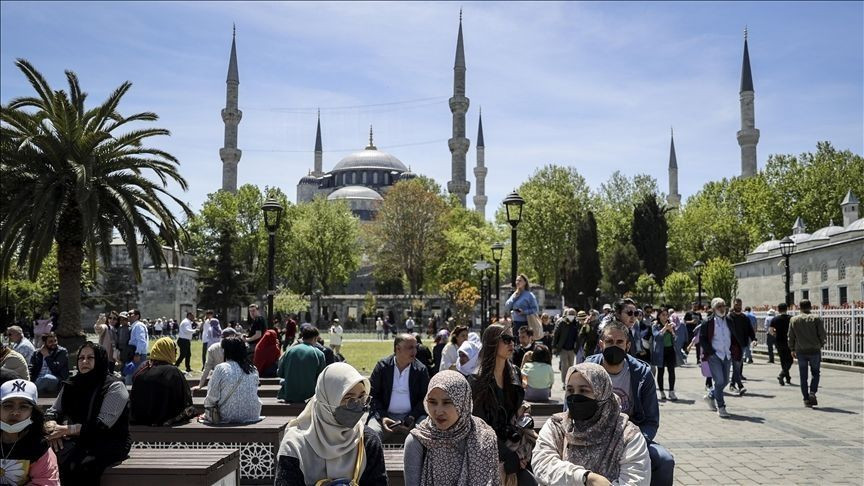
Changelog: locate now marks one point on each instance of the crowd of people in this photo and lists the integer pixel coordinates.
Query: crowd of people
(462, 408)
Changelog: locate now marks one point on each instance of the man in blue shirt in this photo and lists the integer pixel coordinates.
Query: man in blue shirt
(138, 339)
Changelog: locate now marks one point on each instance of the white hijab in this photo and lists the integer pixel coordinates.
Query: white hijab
(325, 448)
(471, 348)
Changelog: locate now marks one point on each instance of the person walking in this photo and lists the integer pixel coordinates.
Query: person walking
(138, 339)
(336, 336)
(663, 351)
(770, 340)
(379, 328)
(720, 346)
(779, 329)
(806, 339)
(210, 333)
(184, 341)
(565, 339)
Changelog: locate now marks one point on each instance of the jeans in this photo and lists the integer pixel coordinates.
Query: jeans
(662, 465)
(185, 352)
(737, 368)
(748, 353)
(720, 375)
(769, 341)
(813, 361)
(47, 384)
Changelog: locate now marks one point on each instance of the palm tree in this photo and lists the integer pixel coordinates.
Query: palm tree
(68, 178)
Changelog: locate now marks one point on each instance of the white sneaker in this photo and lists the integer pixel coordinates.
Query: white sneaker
(662, 395)
(710, 402)
(723, 413)
(672, 395)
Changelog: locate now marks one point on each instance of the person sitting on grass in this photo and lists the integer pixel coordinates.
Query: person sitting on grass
(160, 394)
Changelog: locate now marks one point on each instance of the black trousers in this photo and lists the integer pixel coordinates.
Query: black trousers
(185, 352)
(785, 359)
(769, 341)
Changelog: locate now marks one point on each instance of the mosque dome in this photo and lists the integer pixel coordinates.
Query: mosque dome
(826, 232)
(857, 225)
(407, 175)
(355, 193)
(800, 238)
(308, 179)
(370, 158)
(767, 246)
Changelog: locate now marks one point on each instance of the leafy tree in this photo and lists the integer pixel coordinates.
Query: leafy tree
(649, 235)
(556, 199)
(678, 289)
(615, 202)
(288, 302)
(69, 176)
(369, 306)
(468, 238)
(621, 264)
(463, 298)
(223, 283)
(718, 279)
(407, 237)
(34, 296)
(646, 289)
(322, 249)
(585, 275)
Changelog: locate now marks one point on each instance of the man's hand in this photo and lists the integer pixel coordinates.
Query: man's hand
(595, 479)
(387, 423)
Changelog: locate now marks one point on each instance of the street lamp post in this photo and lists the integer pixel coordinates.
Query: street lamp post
(484, 305)
(272, 216)
(481, 266)
(513, 204)
(787, 247)
(597, 294)
(622, 286)
(318, 314)
(651, 288)
(497, 254)
(698, 267)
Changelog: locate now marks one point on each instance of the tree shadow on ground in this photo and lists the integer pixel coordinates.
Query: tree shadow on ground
(742, 418)
(680, 400)
(758, 395)
(834, 410)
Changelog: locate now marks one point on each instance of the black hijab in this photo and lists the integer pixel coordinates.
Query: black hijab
(80, 401)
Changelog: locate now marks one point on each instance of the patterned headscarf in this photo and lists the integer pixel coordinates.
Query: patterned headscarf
(165, 350)
(466, 454)
(597, 443)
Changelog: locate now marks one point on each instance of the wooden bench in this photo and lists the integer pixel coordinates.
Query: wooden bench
(258, 444)
(173, 467)
(264, 391)
(192, 381)
(270, 406)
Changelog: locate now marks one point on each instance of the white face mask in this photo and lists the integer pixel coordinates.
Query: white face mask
(15, 428)
(570, 318)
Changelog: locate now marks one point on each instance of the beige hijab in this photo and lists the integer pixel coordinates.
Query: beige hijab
(325, 448)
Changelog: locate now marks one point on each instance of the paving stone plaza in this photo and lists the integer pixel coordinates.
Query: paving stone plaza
(771, 438)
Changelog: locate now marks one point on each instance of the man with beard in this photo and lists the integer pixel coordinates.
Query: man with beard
(49, 366)
(743, 331)
(720, 347)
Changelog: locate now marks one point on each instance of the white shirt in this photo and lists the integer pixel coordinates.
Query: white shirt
(186, 330)
(25, 348)
(722, 339)
(409, 324)
(379, 325)
(336, 335)
(400, 399)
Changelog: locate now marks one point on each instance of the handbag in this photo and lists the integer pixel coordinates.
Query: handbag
(213, 414)
(355, 480)
(536, 325)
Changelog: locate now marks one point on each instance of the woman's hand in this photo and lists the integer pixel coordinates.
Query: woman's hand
(595, 479)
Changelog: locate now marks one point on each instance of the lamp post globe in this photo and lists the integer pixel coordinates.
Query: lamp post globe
(513, 204)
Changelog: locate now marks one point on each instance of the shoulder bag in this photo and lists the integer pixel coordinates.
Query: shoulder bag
(213, 414)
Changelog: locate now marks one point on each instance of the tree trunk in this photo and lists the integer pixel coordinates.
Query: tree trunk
(70, 257)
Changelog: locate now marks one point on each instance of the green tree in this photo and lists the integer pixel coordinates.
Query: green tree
(678, 289)
(585, 275)
(649, 235)
(556, 199)
(615, 202)
(287, 302)
(369, 305)
(718, 279)
(463, 298)
(621, 264)
(222, 281)
(468, 238)
(322, 249)
(69, 176)
(646, 289)
(38, 295)
(406, 240)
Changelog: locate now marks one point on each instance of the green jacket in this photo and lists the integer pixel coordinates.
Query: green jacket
(806, 333)
(299, 367)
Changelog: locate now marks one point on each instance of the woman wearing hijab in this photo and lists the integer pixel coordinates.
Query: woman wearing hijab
(91, 411)
(267, 354)
(328, 442)
(469, 353)
(592, 442)
(160, 394)
(451, 447)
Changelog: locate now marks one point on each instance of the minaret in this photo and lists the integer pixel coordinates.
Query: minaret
(229, 154)
(748, 136)
(459, 106)
(319, 151)
(673, 200)
(480, 171)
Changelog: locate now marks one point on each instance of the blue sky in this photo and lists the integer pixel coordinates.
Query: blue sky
(592, 85)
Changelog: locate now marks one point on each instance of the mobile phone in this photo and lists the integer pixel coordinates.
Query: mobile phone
(395, 424)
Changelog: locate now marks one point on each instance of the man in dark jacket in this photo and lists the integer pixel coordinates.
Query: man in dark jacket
(633, 383)
(49, 365)
(779, 328)
(399, 385)
(721, 346)
(743, 331)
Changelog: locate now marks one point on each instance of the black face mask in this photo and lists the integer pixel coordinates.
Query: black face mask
(580, 407)
(347, 416)
(614, 355)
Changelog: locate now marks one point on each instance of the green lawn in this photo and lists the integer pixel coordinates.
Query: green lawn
(364, 355)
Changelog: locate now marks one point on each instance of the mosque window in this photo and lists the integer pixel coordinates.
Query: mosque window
(841, 269)
(824, 272)
(804, 275)
(353, 178)
(364, 177)
(386, 179)
(375, 178)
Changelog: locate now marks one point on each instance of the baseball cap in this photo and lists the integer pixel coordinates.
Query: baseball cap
(19, 389)
(124, 315)
(607, 307)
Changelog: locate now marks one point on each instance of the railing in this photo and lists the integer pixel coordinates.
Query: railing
(845, 329)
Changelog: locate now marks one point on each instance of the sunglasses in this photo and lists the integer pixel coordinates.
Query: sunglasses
(507, 339)
(630, 313)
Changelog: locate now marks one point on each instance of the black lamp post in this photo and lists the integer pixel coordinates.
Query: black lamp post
(318, 316)
(787, 247)
(597, 294)
(698, 267)
(497, 254)
(481, 266)
(622, 286)
(513, 204)
(272, 216)
(484, 302)
(651, 288)
(422, 307)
